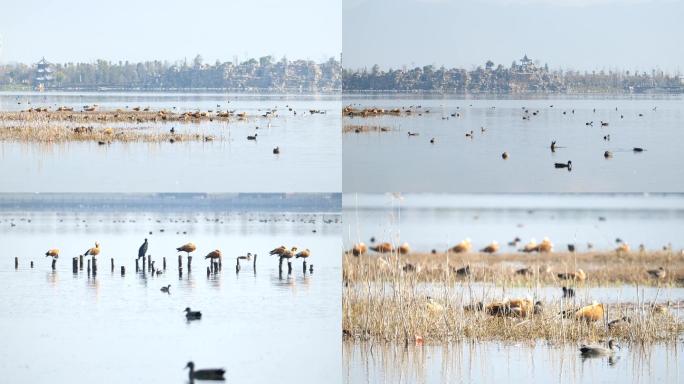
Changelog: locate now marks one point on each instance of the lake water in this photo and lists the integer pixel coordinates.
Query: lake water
(262, 328)
(428, 221)
(393, 161)
(309, 161)
(498, 362)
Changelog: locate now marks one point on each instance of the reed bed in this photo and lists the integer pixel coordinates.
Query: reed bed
(390, 304)
(350, 111)
(601, 268)
(351, 128)
(54, 133)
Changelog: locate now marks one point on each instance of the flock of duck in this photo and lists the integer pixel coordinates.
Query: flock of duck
(203, 374)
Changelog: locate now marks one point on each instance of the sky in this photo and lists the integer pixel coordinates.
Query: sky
(568, 34)
(139, 30)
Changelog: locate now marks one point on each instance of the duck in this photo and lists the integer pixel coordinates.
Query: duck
(530, 247)
(546, 246)
(205, 374)
(657, 273)
(166, 289)
(245, 257)
(215, 254)
(289, 253)
(553, 146)
(568, 292)
(567, 165)
(54, 253)
(473, 307)
(464, 246)
(598, 350)
(432, 141)
(590, 313)
(623, 247)
(463, 271)
(469, 134)
(619, 322)
(433, 307)
(504, 155)
(254, 137)
(524, 271)
(142, 250)
(404, 249)
(93, 251)
(192, 315)
(187, 248)
(382, 248)
(276, 150)
(578, 275)
(638, 149)
(359, 249)
(278, 251)
(607, 154)
(413, 133)
(303, 254)
(491, 248)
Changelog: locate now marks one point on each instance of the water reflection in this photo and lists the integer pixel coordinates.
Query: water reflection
(496, 362)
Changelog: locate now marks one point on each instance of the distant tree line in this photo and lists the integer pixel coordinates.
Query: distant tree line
(525, 76)
(264, 73)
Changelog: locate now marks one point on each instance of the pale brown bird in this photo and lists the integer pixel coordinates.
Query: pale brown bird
(382, 248)
(303, 254)
(278, 251)
(623, 247)
(545, 246)
(359, 249)
(593, 312)
(289, 253)
(93, 251)
(54, 253)
(530, 247)
(404, 249)
(491, 248)
(215, 254)
(187, 248)
(462, 247)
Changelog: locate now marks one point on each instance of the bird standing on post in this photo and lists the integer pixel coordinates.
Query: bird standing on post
(54, 253)
(142, 250)
(93, 251)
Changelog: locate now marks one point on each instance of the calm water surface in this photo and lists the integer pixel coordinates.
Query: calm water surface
(310, 158)
(61, 327)
(495, 362)
(393, 161)
(440, 221)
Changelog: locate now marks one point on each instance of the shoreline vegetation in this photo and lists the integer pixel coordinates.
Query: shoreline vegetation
(522, 76)
(252, 75)
(385, 297)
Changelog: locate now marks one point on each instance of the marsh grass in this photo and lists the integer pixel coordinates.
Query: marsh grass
(108, 116)
(383, 302)
(55, 133)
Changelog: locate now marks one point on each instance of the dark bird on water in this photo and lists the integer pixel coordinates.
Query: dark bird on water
(252, 137)
(166, 289)
(142, 250)
(638, 149)
(567, 165)
(190, 315)
(504, 155)
(413, 133)
(553, 146)
(276, 150)
(607, 154)
(571, 247)
(205, 374)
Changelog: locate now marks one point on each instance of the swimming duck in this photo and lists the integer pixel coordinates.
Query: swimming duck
(504, 155)
(638, 149)
(276, 150)
(166, 289)
(553, 146)
(252, 137)
(190, 315)
(598, 350)
(567, 165)
(607, 154)
(205, 374)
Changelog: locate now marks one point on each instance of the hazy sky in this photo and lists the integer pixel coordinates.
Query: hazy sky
(134, 30)
(579, 34)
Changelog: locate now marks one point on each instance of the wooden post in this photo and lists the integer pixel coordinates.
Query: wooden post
(152, 268)
(311, 268)
(123, 270)
(237, 266)
(74, 264)
(137, 268)
(164, 262)
(219, 264)
(88, 267)
(216, 268)
(144, 266)
(54, 262)
(180, 271)
(94, 266)
(16, 262)
(80, 262)
(304, 266)
(112, 259)
(189, 263)
(280, 265)
(289, 267)
(254, 263)
(208, 271)
(149, 262)
(31, 264)
(180, 262)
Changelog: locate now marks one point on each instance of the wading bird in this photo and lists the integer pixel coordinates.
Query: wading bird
(142, 250)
